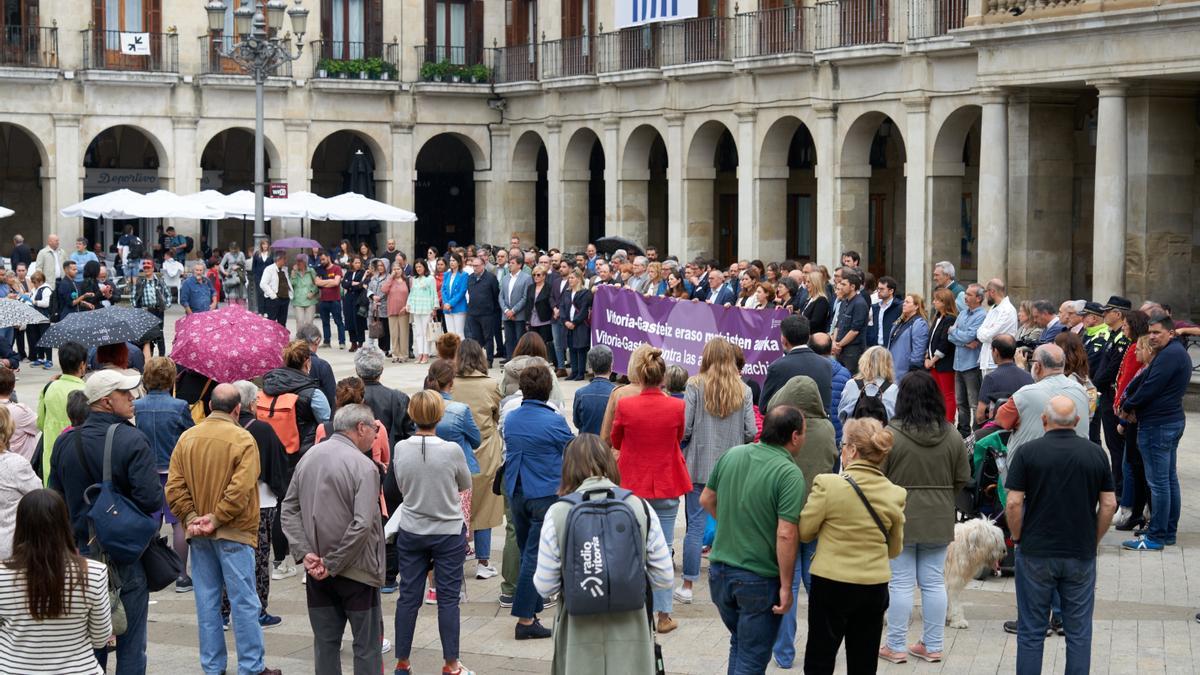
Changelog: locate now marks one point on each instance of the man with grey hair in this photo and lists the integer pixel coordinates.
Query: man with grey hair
(197, 293)
(640, 277)
(1022, 412)
(592, 399)
(1060, 503)
(320, 370)
(964, 334)
(331, 518)
(943, 277)
(1069, 315)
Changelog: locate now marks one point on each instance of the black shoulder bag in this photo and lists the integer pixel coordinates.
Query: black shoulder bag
(870, 509)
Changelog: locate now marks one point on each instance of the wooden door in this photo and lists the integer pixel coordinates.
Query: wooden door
(778, 27)
(19, 21)
(578, 29)
(801, 234)
(864, 22)
(879, 233)
(110, 17)
(520, 38)
(704, 37)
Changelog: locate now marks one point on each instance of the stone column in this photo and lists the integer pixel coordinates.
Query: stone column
(827, 161)
(676, 232)
(993, 187)
(68, 185)
(499, 225)
(298, 174)
(1108, 235)
(554, 187)
(612, 167)
(917, 228)
(634, 204)
(747, 147)
(184, 176)
(403, 192)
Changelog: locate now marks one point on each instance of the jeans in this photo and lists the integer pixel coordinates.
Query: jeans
(693, 537)
(528, 515)
(329, 308)
(744, 601)
(843, 611)
(513, 330)
(131, 647)
(1159, 444)
(560, 344)
(483, 544)
(1075, 581)
(578, 363)
(480, 328)
(922, 564)
(667, 510)
(785, 640)
(966, 393)
(443, 553)
(218, 563)
(332, 603)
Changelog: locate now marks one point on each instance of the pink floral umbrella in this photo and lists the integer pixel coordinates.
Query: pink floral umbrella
(229, 344)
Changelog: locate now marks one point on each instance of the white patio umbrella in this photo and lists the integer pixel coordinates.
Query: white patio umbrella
(166, 204)
(4, 213)
(241, 205)
(353, 206)
(113, 205)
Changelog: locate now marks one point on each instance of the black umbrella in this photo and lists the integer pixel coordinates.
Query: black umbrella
(609, 245)
(360, 178)
(106, 326)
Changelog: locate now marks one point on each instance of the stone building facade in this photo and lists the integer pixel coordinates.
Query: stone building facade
(1052, 143)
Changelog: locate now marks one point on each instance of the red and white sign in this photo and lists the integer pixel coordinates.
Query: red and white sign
(277, 191)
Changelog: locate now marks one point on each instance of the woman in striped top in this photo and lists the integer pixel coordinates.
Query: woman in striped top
(54, 609)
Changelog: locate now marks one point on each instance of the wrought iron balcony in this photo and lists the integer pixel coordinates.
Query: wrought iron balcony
(774, 32)
(696, 41)
(569, 57)
(355, 60)
(104, 50)
(29, 47)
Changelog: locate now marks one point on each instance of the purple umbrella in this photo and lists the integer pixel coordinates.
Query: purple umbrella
(296, 242)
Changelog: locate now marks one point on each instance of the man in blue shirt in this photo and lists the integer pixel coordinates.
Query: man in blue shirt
(592, 399)
(967, 376)
(535, 436)
(850, 320)
(197, 294)
(81, 256)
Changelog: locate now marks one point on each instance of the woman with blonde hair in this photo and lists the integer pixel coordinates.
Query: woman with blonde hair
(909, 336)
(632, 389)
(718, 414)
(17, 479)
(876, 378)
(858, 516)
(618, 642)
(817, 308)
(646, 432)
(656, 281)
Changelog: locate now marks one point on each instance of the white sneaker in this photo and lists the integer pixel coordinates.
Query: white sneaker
(282, 570)
(683, 595)
(387, 645)
(1122, 516)
(485, 571)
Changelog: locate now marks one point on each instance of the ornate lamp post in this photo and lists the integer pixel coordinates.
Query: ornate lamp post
(259, 50)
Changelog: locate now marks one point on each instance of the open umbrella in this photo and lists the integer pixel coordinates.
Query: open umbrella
(229, 344)
(296, 242)
(610, 245)
(4, 213)
(105, 326)
(16, 313)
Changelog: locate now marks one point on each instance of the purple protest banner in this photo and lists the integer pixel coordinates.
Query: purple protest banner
(622, 320)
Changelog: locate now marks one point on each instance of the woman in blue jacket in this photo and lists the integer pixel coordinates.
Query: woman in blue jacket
(454, 296)
(910, 336)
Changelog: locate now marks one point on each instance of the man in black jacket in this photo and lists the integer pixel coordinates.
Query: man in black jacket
(21, 253)
(884, 313)
(134, 475)
(798, 359)
(483, 306)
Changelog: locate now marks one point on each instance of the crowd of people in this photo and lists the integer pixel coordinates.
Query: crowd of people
(838, 473)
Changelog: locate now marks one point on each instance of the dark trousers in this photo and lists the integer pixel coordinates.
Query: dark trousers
(334, 601)
(498, 332)
(1134, 470)
(279, 542)
(131, 647)
(578, 363)
(277, 310)
(513, 330)
(327, 309)
(1113, 440)
(546, 332)
(34, 333)
(528, 515)
(744, 600)
(1038, 579)
(837, 611)
(849, 357)
(19, 343)
(356, 325)
(419, 553)
(481, 329)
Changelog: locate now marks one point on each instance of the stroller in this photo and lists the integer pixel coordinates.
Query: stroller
(983, 495)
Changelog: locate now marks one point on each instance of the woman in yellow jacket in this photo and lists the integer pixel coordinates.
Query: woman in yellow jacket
(859, 517)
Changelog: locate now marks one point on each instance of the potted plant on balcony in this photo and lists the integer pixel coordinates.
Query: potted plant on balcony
(434, 71)
(479, 73)
(456, 72)
(325, 67)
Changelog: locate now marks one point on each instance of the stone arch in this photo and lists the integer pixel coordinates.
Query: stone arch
(123, 156)
(578, 153)
(160, 149)
(642, 188)
(636, 155)
(787, 190)
(23, 161)
(583, 189)
(446, 194)
(954, 191)
(777, 141)
(871, 194)
(525, 151)
(527, 194)
(711, 192)
(274, 159)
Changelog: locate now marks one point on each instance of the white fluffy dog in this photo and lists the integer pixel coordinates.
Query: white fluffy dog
(977, 542)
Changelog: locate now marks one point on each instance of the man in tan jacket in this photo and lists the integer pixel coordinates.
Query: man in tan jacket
(212, 488)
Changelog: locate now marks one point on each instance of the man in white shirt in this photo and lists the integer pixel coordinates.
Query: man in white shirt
(172, 275)
(276, 286)
(1001, 319)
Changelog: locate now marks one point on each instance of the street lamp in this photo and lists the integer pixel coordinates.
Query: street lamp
(259, 50)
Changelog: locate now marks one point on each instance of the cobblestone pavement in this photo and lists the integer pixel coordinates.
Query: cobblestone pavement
(1145, 603)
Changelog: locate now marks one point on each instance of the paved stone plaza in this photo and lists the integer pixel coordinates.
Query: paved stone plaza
(1143, 623)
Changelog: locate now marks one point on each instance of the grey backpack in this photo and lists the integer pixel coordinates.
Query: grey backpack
(603, 553)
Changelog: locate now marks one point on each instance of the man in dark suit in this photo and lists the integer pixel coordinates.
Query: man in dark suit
(557, 278)
(514, 306)
(719, 292)
(883, 314)
(21, 253)
(797, 359)
(483, 305)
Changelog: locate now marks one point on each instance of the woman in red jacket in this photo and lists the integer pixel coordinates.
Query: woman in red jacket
(646, 432)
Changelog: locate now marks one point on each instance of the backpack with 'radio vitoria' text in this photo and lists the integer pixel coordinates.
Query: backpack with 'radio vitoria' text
(603, 551)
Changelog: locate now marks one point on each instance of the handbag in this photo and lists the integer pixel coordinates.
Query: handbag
(120, 622)
(114, 522)
(435, 331)
(870, 509)
(161, 564)
(376, 330)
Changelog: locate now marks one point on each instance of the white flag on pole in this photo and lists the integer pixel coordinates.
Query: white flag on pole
(135, 44)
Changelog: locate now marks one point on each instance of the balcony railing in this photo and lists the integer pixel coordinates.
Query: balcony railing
(452, 64)
(213, 63)
(930, 18)
(637, 48)
(353, 60)
(518, 63)
(774, 32)
(102, 50)
(569, 57)
(696, 41)
(854, 23)
(29, 47)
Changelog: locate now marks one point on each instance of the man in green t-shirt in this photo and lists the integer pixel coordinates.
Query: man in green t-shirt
(753, 558)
